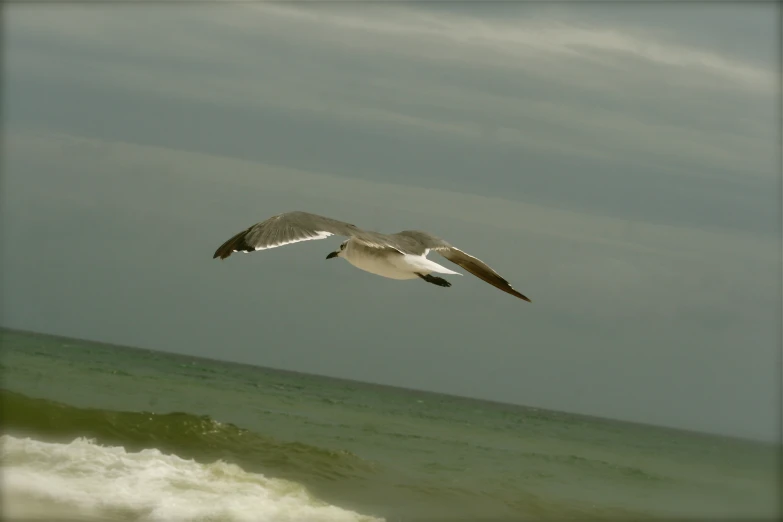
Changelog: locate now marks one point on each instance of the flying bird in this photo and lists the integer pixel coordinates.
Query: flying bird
(397, 256)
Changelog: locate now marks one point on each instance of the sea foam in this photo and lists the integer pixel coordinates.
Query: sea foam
(83, 480)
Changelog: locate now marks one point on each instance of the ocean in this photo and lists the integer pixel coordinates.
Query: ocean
(99, 432)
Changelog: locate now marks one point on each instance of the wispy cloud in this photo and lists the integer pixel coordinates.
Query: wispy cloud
(622, 93)
(517, 44)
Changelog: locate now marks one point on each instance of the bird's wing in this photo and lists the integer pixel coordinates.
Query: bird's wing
(407, 240)
(284, 229)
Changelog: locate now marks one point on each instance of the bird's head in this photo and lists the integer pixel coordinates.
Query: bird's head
(338, 253)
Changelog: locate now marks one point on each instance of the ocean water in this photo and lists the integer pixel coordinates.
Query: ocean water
(99, 432)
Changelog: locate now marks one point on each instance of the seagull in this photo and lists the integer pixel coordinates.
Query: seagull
(397, 256)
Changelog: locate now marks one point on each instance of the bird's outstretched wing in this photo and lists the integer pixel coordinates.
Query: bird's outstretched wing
(413, 240)
(284, 229)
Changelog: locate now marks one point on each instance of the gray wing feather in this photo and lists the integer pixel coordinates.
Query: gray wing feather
(418, 242)
(283, 229)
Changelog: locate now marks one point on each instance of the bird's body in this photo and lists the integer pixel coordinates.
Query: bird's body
(379, 262)
(395, 256)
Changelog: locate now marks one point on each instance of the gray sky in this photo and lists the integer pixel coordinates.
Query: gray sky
(618, 163)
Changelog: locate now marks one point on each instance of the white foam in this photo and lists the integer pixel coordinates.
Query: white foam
(85, 480)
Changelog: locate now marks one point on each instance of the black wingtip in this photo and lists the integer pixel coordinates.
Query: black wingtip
(519, 295)
(224, 250)
(235, 244)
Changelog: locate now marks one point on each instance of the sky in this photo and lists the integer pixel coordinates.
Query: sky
(618, 163)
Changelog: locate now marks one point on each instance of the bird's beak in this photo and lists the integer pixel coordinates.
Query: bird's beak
(331, 255)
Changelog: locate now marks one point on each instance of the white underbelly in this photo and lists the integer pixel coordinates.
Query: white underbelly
(380, 266)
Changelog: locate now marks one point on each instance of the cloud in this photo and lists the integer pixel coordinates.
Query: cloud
(517, 44)
(622, 93)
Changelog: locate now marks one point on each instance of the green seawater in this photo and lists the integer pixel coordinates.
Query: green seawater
(389, 453)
